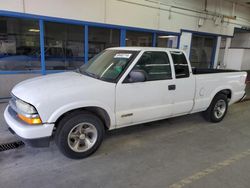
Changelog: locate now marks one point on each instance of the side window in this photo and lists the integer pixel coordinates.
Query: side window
(155, 66)
(180, 64)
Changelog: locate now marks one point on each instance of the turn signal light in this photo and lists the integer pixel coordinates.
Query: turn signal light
(31, 121)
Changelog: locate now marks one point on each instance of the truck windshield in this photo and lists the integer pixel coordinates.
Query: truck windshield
(108, 65)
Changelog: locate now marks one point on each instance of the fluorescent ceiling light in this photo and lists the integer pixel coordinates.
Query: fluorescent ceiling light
(166, 36)
(34, 30)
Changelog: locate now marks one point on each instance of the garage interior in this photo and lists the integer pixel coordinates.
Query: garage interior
(46, 37)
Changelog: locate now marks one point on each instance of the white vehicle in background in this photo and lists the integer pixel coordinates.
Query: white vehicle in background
(119, 87)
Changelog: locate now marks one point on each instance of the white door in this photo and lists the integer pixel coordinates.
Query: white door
(138, 102)
(185, 84)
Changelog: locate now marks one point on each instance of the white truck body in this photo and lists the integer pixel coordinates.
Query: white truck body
(125, 104)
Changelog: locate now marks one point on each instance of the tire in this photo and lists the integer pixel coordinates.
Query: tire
(217, 109)
(79, 134)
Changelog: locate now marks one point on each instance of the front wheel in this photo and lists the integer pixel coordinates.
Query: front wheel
(79, 135)
(217, 109)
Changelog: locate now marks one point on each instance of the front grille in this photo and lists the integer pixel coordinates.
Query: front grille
(12, 145)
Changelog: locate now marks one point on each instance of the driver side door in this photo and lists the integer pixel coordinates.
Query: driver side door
(148, 100)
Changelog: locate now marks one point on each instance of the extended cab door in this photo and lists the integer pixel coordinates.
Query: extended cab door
(152, 99)
(185, 84)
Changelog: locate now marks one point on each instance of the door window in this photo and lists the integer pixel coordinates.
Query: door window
(155, 65)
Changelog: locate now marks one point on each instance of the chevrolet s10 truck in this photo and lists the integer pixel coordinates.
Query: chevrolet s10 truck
(119, 87)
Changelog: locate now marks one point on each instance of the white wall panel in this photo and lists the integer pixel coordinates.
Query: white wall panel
(88, 10)
(139, 13)
(131, 14)
(234, 59)
(176, 22)
(238, 59)
(246, 60)
(13, 5)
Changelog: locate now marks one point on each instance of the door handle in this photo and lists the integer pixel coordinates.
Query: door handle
(171, 87)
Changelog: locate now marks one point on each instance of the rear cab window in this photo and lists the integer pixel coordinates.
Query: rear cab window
(180, 64)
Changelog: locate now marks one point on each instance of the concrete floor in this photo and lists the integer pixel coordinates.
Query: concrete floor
(180, 152)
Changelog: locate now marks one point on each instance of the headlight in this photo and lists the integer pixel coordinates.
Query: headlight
(26, 112)
(25, 107)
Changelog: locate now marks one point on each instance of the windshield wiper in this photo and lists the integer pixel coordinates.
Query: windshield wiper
(90, 74)
(78, 70)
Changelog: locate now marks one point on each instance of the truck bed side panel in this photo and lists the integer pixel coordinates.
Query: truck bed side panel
(208, 85)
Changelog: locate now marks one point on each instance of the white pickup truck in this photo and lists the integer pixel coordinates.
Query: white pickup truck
(120, 87)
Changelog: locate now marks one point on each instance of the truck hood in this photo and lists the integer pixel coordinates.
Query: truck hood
(51, 87)
(55, 94)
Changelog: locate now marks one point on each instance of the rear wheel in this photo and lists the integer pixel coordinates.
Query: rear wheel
(79, 135)
(217, 109)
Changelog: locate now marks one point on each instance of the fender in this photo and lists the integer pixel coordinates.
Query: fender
(218, 89)
(81, 104)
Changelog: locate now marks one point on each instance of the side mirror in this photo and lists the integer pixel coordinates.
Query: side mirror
(137, 76)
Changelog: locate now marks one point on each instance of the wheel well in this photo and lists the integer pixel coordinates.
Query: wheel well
(99, 112)
(226, 92)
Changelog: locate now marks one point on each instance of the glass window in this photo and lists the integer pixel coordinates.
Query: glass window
(166, 41)
(64, 46)
(241, 38)
(102, 38)
(109, 64)
(180, 64)
(201, 54)
(155, 65)
(134, 38)
(19, 44)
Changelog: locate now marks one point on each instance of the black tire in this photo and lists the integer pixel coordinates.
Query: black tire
(209, 114)
(67, 124)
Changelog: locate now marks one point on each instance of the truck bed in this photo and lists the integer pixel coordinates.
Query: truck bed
(211, 71)
(208, 83)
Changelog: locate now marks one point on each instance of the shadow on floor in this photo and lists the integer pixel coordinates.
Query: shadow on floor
(248, 90)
